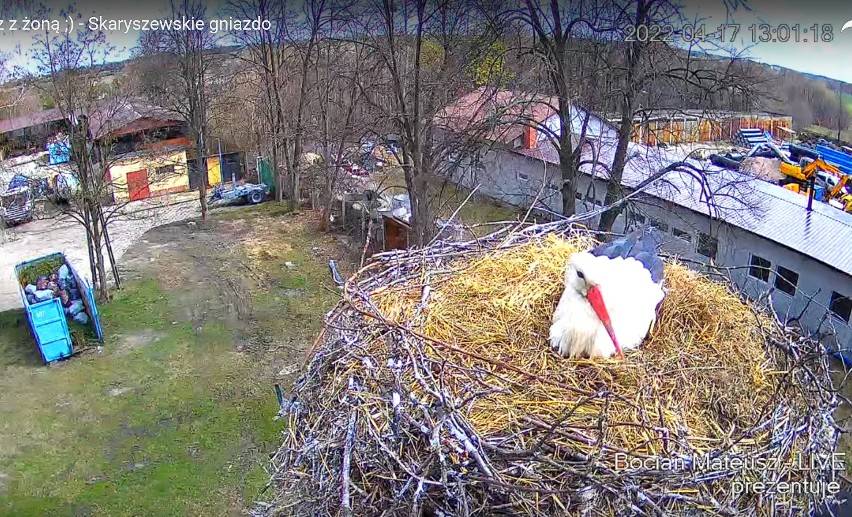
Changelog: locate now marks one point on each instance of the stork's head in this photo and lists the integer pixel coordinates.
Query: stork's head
(585, 273)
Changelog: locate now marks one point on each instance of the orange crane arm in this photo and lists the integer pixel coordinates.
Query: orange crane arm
(838, 189)
(827, 167)
(807, 172)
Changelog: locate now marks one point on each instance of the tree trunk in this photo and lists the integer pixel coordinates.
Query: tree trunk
(613, 189)
(625, 130)
(87, 218)
(279, 183)
(567, 159)
(101, 282)
(569, 183)
(422, 225)
(286, 179)
(561, 81)
(202, 184)
(297, 137)
(108, 245)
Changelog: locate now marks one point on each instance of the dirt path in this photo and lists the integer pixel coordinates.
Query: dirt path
(39, 238)
(264, 279)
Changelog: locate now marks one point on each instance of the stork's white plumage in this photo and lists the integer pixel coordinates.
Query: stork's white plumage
(611, 298)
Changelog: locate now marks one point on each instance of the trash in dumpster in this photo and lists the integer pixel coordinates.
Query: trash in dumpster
(53, 293)
(54, 286)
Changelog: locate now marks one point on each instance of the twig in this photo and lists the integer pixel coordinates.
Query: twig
(345, 503)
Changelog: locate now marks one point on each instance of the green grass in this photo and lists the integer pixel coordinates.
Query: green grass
(179, 426)
(165, 419)
(292, 310)
(268, 209)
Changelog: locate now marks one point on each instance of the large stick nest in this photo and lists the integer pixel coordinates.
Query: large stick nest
(433, 391)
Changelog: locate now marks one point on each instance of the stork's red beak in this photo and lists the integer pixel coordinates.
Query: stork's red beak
(597, 303)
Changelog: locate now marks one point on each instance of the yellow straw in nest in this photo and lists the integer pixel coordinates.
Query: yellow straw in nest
(703, 374)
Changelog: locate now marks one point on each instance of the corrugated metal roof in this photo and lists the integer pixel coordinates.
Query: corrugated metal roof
(768, 210)
(113, 116)
(30, 119)
(108, 117)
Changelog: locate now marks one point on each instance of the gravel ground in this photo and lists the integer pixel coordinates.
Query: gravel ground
(39, 238)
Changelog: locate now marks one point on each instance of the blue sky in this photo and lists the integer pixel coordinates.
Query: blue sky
(831, 59)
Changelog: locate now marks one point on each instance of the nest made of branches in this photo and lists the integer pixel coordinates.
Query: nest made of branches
(433, 390)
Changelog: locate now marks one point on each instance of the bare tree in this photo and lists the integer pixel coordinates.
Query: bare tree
(283, 60)
(177, 77)
(304, 32)
(68, 67)
(422, 51)
(340, 71)
(556, 28)
(642, 69)
(600, 55)
(266, 56)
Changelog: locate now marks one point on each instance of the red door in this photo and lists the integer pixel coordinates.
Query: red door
(137, 185)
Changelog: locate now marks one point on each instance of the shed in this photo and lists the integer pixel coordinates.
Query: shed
(396, 233)
(142, 174)
(222, 168)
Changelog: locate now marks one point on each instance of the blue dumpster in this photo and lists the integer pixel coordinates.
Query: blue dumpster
(819, 192)
(48, 320)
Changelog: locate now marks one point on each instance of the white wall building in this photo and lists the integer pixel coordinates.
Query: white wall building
(762, 231)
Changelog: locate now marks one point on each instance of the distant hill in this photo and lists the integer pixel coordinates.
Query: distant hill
(811, 99)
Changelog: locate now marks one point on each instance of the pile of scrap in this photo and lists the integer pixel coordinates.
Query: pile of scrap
(766, 169)
(433, 391)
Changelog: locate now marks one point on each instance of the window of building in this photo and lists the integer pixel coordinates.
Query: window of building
(759, 268)
(677, 232)
(523, 177)
(707, 245)
(659, 225)
(786, 280)
(166, 170)
(840, 306)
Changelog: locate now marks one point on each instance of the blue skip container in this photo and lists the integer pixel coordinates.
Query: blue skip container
(48, 320)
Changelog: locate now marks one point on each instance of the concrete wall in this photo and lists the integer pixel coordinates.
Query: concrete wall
(173, 182)
(516, 179)
(816, 281)
(500, 175)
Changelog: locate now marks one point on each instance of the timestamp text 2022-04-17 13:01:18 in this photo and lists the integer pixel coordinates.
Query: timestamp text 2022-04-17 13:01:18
(729, 33)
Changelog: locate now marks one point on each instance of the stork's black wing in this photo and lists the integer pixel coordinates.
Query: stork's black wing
(641, 245)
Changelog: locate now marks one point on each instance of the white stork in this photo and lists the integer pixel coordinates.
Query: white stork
(611, 298)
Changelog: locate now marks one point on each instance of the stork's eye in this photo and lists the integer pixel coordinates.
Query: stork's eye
(581, 275)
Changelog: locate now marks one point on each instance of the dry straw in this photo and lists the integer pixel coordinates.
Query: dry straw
(433, 391)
